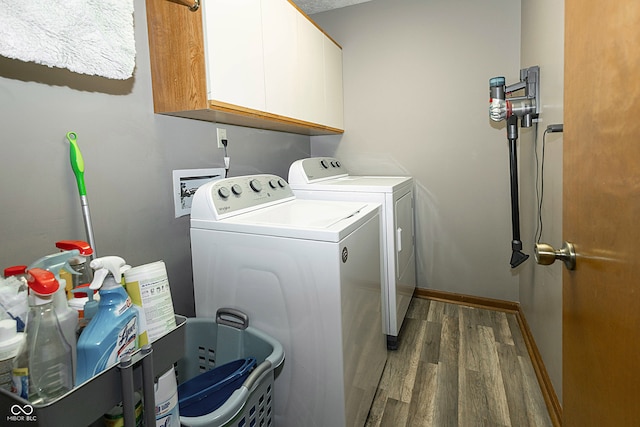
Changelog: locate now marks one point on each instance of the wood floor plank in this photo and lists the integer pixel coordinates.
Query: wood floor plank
(536, 407)
(501, 327)
(514, 385)
(402, 364)
(377, 408)
(492, 377)
(458, 366)
(431, 350)
(473, 404)
(446, 398)
(422, 406)
(419, 311)
(469, 340)
(395, 414)
(516, 334)
(435, 312)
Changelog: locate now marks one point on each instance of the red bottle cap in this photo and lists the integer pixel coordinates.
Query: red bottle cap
(15, 270)
(69, 245)
(42, 282)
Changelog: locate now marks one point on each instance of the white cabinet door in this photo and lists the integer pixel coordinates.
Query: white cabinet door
(310, 72)
(280, 40)
(234, 52)
(334, 108)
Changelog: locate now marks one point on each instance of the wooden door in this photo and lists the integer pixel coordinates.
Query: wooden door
(601, 205)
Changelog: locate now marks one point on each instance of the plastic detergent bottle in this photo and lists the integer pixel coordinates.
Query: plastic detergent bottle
(67, 317)
(113, 331)
(42, 370)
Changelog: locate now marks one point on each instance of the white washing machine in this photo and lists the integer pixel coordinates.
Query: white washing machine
(326, 178)
(307, 273)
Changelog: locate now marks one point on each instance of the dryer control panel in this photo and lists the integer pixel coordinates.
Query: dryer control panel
(313, 169)
(230, 196)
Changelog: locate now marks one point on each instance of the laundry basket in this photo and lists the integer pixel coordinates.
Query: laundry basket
(210, 343)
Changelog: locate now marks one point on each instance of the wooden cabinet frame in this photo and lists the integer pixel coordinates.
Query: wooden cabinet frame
(176, 50)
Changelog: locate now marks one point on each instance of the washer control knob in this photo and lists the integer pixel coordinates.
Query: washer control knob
(324, 164)
(236, 189)
(223, 192)
(282, 183)
(255, 185)
(273, 184)
(338, 164)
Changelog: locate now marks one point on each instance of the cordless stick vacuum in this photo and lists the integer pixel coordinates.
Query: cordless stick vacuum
(526, 107)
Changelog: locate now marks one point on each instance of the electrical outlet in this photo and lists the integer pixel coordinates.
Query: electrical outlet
(222, 134)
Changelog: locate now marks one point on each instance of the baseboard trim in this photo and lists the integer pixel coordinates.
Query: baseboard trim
(548, 392)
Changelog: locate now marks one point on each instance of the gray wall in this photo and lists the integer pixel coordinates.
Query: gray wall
(129, 154)
(416, 77)
(541, 287)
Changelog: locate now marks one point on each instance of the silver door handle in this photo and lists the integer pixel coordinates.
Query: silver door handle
(546, 255)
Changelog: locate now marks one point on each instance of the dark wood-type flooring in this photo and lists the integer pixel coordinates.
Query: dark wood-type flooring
(458, 366)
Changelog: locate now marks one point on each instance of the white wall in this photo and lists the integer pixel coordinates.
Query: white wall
(129, 154)
(541, 287)
(416, 91)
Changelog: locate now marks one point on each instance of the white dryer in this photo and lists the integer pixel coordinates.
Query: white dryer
(307, 273)
(326, 178)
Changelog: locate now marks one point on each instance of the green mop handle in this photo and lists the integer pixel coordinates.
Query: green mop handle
(77, 164)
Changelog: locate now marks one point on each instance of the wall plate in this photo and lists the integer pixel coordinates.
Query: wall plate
(185, 184)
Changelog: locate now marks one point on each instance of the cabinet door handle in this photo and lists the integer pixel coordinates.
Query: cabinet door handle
(399, 239)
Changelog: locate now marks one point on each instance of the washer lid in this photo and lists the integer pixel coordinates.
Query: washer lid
(370, 184)
(298, 218)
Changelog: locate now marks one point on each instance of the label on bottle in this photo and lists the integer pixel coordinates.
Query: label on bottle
(20, 381)
(154, 295)
(127, 341)
(167, 412)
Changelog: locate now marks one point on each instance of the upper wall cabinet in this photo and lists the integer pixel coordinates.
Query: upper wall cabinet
(255, 63)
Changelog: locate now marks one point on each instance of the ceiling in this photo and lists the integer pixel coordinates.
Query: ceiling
(314, 6)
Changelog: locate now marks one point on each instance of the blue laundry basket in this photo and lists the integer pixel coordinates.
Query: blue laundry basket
(211, 343)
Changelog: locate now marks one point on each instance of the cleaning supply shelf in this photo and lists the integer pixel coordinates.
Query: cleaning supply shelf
(89, 401)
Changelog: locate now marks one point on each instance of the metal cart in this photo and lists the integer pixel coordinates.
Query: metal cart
(89, 401)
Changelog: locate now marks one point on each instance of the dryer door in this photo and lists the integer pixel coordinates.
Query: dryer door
(405, 258)
(404, 238)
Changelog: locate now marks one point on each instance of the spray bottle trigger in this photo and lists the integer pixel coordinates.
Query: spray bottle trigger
(98, 278)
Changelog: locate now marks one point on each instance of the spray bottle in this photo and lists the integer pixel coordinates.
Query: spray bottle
(78, 263)
(67, 317)
(113, 332)
(42, 370)
(84, 303)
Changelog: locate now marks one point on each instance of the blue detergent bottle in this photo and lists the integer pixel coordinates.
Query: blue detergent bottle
(113, 332)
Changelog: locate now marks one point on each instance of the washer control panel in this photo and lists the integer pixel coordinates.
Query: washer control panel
(304, 171)
(242, 193)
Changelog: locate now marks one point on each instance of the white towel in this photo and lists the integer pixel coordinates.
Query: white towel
(92, 37)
